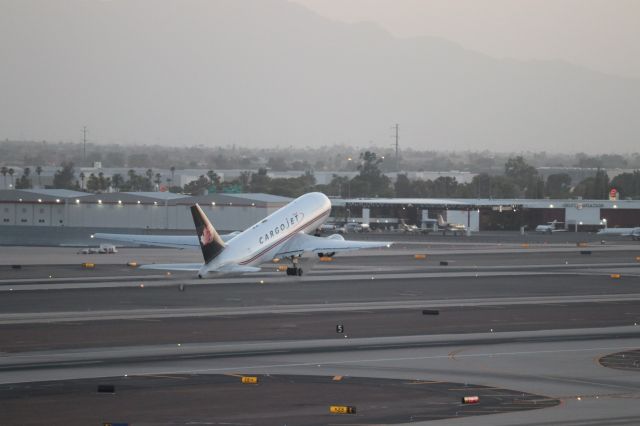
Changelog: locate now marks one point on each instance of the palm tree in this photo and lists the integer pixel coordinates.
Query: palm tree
(82, 176)
(173, 170)
(149, 174)
(4, 172)
(101, 181)
(132, 180)
(117, 181)
(39, 172)
(158, 179)
(11, 172)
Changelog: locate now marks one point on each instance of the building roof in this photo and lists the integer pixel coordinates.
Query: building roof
(462, 203)
(57, 193)
(159, 195)
(169, 198)
(255, 196)
(247, 199)
(42, 195)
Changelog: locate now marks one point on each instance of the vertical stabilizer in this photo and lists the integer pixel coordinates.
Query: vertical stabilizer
(210, 242)
(441, 221)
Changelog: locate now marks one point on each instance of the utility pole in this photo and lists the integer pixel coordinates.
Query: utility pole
(397, 150)
(84, 145)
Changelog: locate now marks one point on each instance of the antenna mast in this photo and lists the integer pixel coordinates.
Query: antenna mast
(397, 150)
(84, 144)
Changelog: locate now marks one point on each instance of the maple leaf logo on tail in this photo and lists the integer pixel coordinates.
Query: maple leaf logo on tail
(210, 242)
(207, 235)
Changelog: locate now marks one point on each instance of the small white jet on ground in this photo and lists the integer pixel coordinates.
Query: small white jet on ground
(283, 235)
(550, 227)
(634, 233)
(455, 228)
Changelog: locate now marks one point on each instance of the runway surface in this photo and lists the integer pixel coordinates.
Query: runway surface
(544, 318)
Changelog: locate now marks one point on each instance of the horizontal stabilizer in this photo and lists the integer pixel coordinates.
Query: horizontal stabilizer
(173, 266)
(173, 241)
(236, 269)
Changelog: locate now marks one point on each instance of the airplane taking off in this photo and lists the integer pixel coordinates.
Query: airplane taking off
(456, 228)
(283, 234)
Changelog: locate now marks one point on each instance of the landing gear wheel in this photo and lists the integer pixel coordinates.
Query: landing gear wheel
(294, 271)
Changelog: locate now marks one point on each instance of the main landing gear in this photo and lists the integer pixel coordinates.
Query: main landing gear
(294, 270)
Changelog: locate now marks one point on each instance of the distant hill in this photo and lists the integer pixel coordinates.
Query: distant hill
(259, 72)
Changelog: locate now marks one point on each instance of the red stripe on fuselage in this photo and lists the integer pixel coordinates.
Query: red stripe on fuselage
(263, 252)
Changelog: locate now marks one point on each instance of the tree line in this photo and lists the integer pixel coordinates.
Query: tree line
(519, 180)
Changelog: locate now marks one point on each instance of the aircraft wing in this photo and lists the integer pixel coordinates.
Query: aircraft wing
(333, 244)
(173, 241)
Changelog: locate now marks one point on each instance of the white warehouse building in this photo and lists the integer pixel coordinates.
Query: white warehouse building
(131, 210)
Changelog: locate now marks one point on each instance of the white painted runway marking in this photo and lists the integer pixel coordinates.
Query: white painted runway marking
(394, 359)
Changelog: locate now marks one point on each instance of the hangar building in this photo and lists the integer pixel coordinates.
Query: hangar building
(490, 214)
(131, 210)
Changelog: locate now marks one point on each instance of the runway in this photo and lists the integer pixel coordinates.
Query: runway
(533, 319)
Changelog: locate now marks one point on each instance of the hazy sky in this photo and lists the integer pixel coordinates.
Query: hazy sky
(274, 72)
(603, 35)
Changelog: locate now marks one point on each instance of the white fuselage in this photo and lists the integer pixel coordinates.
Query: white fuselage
(262, 241)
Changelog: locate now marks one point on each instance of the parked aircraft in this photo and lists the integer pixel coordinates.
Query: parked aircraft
(550, 227)
(283, 234)
(102, 249)
(456, 228)
(634, 233)
(405, 227)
